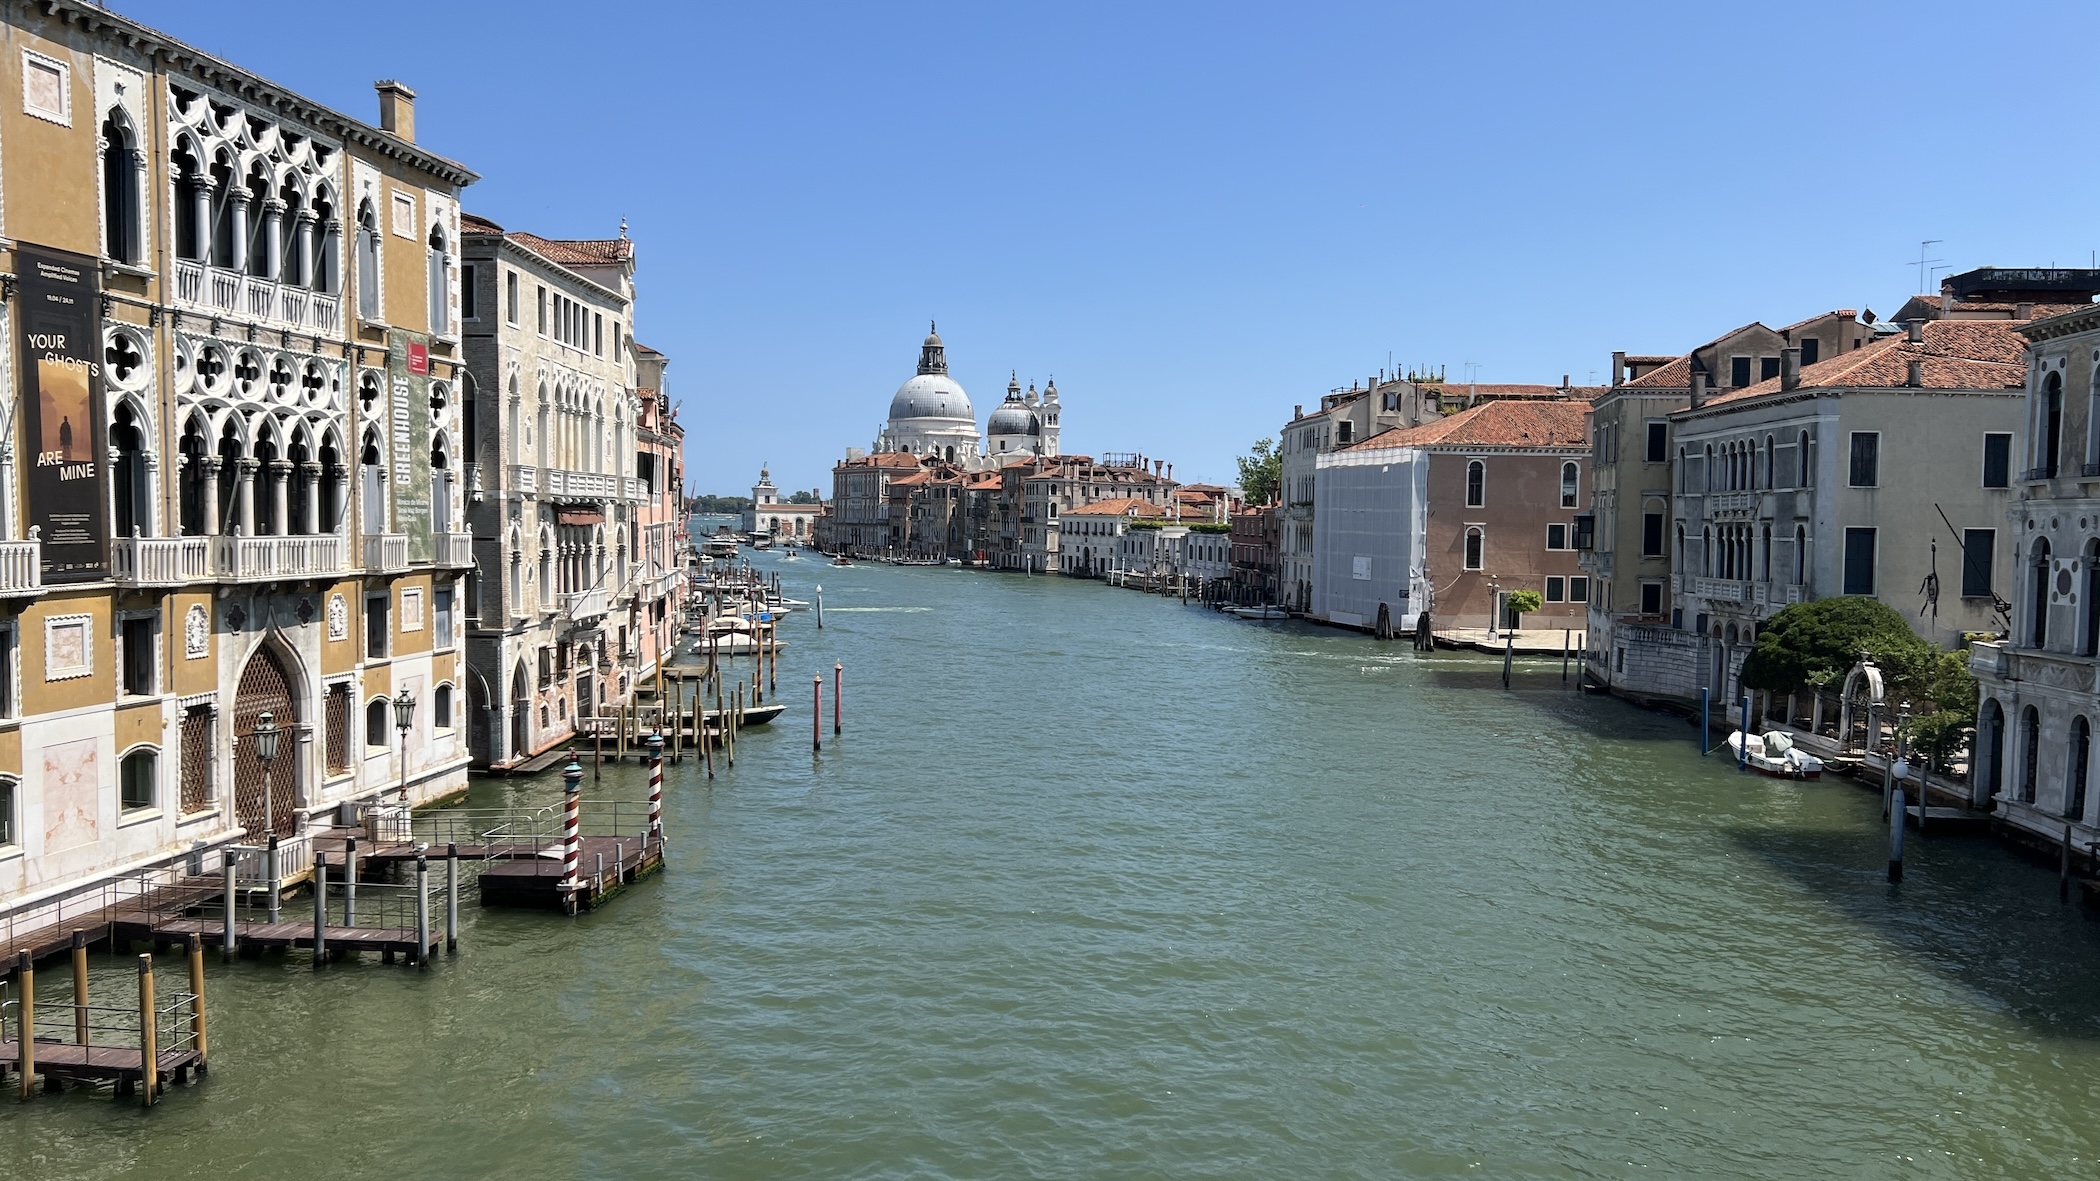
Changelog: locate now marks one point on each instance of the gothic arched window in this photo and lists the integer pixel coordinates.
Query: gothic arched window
(120, 190)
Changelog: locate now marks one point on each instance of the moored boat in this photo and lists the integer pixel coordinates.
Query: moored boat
(1267, 612)
(1776, 755)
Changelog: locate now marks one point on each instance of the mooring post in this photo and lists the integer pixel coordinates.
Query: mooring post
(149, 1050)
(2063, 879)
(1706, 724)
(820, 608)
(1566, 636)
(196, 949)
(25, 1023)
(80, 988)
(350, 882)
(320, 909)
(1896, 836)
(452, 898)
(816, 716)
(231, 864)
(1742, 746)
(270, 869)
(656, 785)
(571, 829)
(1509, 655)
(838, 697)
(597, 752)
(423, 905)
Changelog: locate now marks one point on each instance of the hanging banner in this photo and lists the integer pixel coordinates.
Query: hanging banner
(62, 420)
(410, 406)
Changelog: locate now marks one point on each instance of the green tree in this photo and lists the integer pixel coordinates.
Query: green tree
(803, 498)
(1817, 643)
(1522, 603)
(1261, 472)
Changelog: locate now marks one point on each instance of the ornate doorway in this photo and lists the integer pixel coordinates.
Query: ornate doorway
(265, 812)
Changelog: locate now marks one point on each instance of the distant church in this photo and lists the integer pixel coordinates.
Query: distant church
(931, 417)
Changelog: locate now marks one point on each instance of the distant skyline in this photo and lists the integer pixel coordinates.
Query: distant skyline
(1196, 216)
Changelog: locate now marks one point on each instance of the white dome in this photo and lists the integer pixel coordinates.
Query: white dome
(932, 395)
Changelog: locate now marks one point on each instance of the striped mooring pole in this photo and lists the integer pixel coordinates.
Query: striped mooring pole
(656, 785)
(572, 829)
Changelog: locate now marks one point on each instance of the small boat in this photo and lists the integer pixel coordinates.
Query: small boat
(1267, 612)
(955, 561)
(842, 560)
(1776, 755)
(754, 715)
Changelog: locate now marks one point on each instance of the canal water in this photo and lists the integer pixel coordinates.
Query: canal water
(1098, 885)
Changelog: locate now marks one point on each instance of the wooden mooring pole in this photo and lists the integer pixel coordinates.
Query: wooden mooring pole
(1896, 835)
(816, 716)
(656, 787)
(320, 909)
(197, 1032)
(25, 1023)
(149, 1049)
(80, 988)
(451, 898)
(838, 697)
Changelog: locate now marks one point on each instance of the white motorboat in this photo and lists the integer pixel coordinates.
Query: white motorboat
(1776, 755)
(1268, 612)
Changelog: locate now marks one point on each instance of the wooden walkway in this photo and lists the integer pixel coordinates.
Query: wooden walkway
(283, 935)
(65, 1062)
(536, 882)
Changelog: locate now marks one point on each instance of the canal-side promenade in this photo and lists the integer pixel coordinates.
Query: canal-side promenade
(1095, 885)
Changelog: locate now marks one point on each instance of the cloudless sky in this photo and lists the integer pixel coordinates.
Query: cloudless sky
(1196, 216)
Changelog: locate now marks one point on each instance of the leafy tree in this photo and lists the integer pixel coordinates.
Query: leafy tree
(803, 498)
(1524, 602)
(1817, 643)
(1261, 472)
(1942, 694)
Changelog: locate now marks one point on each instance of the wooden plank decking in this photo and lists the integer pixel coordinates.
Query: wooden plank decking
(70, 1062)
(536, 882)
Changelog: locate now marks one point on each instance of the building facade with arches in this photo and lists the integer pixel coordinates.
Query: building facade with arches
(567, 464)
(2032, 755)
(231, 364)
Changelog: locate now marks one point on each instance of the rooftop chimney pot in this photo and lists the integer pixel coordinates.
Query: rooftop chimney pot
(397, 108)
(2023, 311)
(1917, 375)
(1698, 390)
(1789, 368)
(1914, 331)
(1618, 368)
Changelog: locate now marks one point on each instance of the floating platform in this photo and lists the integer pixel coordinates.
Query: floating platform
(536, 882)
(67, 1062)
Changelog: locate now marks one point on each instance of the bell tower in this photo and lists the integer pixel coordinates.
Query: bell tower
(933, 356)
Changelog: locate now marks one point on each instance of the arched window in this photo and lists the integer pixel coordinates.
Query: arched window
(2038, 595)
(2030, 752)
(326, 270)
(1801, 457)
(1712, 476)
(2091, 643)
(1769, 480)
(1706, 552)
(1476, 484)
(120, 189)
(1476, 544)
(1765, 553)
(128, 496)
(376, 722)
(1800, 555)
(372, 489)
(367, 261)
(441, 707)
(2075, 777)
(440, 266)
(1683, 478)
(138, 776)
(1990, 735)
(2050, 441)
(1569, 474)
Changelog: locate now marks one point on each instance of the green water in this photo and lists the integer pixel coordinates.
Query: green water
(1095, 885)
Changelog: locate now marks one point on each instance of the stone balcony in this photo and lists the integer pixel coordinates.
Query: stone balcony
(21, 568)
(296, 309)
(160, 561)
(386, 553)
(590, 604)
(1990, 660)
(452, 550)
(276, 559)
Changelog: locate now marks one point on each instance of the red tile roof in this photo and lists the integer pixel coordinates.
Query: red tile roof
(577, 252)
(1513, 423)
(1121, 506)
(1958, 355)
(890, 459)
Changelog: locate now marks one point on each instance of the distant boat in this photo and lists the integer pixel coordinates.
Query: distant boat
(842, 560)
(1776, 755)
(1262, 613)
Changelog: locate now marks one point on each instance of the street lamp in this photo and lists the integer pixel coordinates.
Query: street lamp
(265, 736)
(404, 717)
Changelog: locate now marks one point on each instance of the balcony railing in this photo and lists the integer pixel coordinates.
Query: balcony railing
(1725, 590)
(524, 478)
(588, 604)
(386, 553)
(281, 305)
(452, 549)
(1730, 502)
(21, 567)
(160, 561)
(273, 559)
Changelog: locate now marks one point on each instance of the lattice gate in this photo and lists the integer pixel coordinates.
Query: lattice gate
(265, 686)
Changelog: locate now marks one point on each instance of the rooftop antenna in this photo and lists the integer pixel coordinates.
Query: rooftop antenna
(1472, 367)
(1924, 262)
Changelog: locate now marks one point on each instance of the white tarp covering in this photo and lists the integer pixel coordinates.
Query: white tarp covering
(1369, 525)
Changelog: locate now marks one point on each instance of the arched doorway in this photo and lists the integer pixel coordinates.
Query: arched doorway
(1993, 753)
(266, 811)
(520, 713)
(2081, 753)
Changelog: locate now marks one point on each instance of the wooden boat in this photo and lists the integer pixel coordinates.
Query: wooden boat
(1775, 754)
(754, 715)
(842, 560)
(1264, 613)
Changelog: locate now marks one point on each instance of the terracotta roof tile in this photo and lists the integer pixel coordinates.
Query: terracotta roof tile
(1958, 355)
(1512, 423)
(577, 252)
(1120, 506)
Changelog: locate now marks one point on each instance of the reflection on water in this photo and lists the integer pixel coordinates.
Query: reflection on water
(1094, 884)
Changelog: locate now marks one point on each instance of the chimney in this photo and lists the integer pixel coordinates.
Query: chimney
(397, 108)
(1917, 375)
(1914, 331)
(1789, 368)
(1618, 368)
(1564, 381)
(1298, 411)
(2023, 311)
(1698, 390)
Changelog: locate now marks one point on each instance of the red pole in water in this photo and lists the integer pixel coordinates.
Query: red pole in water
(816, 717)
(838, 696)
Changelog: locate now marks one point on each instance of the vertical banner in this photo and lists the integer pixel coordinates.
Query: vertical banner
(63, 425)
(409, 362)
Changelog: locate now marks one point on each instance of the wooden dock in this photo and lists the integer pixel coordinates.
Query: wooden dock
(284, 935)
(64, 1062)
(536, 882)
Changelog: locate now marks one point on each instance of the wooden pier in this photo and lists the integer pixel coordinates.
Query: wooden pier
(140, 1048)
(606, 866)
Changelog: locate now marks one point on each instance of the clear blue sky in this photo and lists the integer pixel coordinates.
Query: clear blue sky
(1198, 215)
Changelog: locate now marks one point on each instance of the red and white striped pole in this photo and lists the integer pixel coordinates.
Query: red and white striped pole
(572, 831)
(656, 786)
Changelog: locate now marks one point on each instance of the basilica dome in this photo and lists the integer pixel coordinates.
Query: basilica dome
(932, 395)
(1013, 417)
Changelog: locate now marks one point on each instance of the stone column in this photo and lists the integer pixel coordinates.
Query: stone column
(212, 464)
(342, 499)
(280, 497)
(200, 208)
(239, 197)
(244, 496)
(310, 476)
(303, 239)
(273, 239)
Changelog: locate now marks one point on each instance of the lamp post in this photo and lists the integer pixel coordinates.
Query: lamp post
(265, 736)
(404, 717)
(1494, 605)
